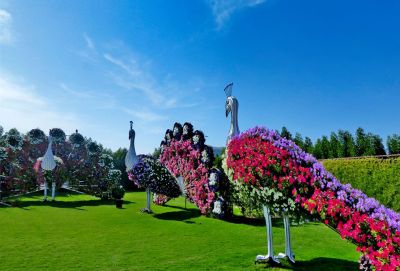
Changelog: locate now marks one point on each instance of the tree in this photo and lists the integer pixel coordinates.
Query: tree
(362, 143)
(393, 144)
(317, 151)
(335, 145)
(377, 143)
(347, 146)
(119, 163)
(285, 133)
(308, 145)
(156, 153)
(298, 139)
(325, 147)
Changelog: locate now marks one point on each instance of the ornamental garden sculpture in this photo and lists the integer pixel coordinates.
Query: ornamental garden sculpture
(283, 180)
(232, 107)
(48, 164)
(148, 172)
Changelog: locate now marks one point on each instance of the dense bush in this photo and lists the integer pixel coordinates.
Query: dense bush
(378, 178)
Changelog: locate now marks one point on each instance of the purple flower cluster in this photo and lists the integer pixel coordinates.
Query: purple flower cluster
(150, 173)
(324, 179)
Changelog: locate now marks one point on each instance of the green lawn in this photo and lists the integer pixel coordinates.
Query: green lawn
(80, 232)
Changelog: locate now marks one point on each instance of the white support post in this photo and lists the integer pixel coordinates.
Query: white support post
(53, 191)
(270, 258)
(288, 242)
(148, 202)
(45, 191)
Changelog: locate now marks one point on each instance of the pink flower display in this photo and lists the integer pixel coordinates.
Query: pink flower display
(261, 159)
(184, 154)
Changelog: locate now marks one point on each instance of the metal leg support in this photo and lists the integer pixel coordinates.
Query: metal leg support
(288, 242)
(53, 191)
(269, 258)
(148, 202)
(45, 191)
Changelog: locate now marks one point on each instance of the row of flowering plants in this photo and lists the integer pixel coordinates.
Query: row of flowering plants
(185, 154)
(80, 162)
(280, 174)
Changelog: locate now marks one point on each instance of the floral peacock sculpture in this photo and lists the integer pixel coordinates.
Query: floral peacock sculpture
(148, 172)
(190, 160)
(286, 181)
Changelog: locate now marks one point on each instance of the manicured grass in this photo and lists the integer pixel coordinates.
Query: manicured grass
(80, 232)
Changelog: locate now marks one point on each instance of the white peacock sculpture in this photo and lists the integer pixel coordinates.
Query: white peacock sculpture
(49, 164)
(131, 160)
(232, 107)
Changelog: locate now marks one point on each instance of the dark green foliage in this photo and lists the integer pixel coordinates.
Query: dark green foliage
(317, 152)
(393, 144)
(156, 153)
(346, 144)
(285, 133)
(119, 163)
(118, 192)
(362, 142)
(13, 138)
(298, 139)
(36, 136)
(335, 145)
(377, 145)
(308, 145)
(218, 159)
(58, 135)
(325, 147)
(378, 178)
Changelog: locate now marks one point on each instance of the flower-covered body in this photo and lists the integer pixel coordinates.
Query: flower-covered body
(150, 173)
(283, 176)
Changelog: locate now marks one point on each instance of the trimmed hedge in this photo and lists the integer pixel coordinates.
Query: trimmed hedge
(378, 178)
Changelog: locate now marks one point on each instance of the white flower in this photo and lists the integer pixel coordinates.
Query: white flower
(213, 179)
(196, 139)
(217, 207)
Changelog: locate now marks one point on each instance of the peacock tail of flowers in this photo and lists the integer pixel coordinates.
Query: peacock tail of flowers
(185, 154)
(285, 177)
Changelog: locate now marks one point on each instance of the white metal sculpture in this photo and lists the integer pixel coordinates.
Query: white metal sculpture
(49, 163)
(131, 158)
(232, 106)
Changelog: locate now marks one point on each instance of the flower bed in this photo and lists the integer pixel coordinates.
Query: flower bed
(281, 174)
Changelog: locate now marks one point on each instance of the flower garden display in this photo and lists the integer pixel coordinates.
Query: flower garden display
(185, 155)
(80, 164)
(288, 179)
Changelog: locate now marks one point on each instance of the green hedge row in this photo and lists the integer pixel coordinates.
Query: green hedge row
(376, 177)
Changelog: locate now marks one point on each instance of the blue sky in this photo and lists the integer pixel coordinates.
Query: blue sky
(313, 66)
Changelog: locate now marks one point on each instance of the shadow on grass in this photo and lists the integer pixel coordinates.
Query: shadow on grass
(183, 215)
(276, 222)
(68, 204)
(317, 264)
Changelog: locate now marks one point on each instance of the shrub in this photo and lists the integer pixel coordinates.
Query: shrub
(378, 178)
